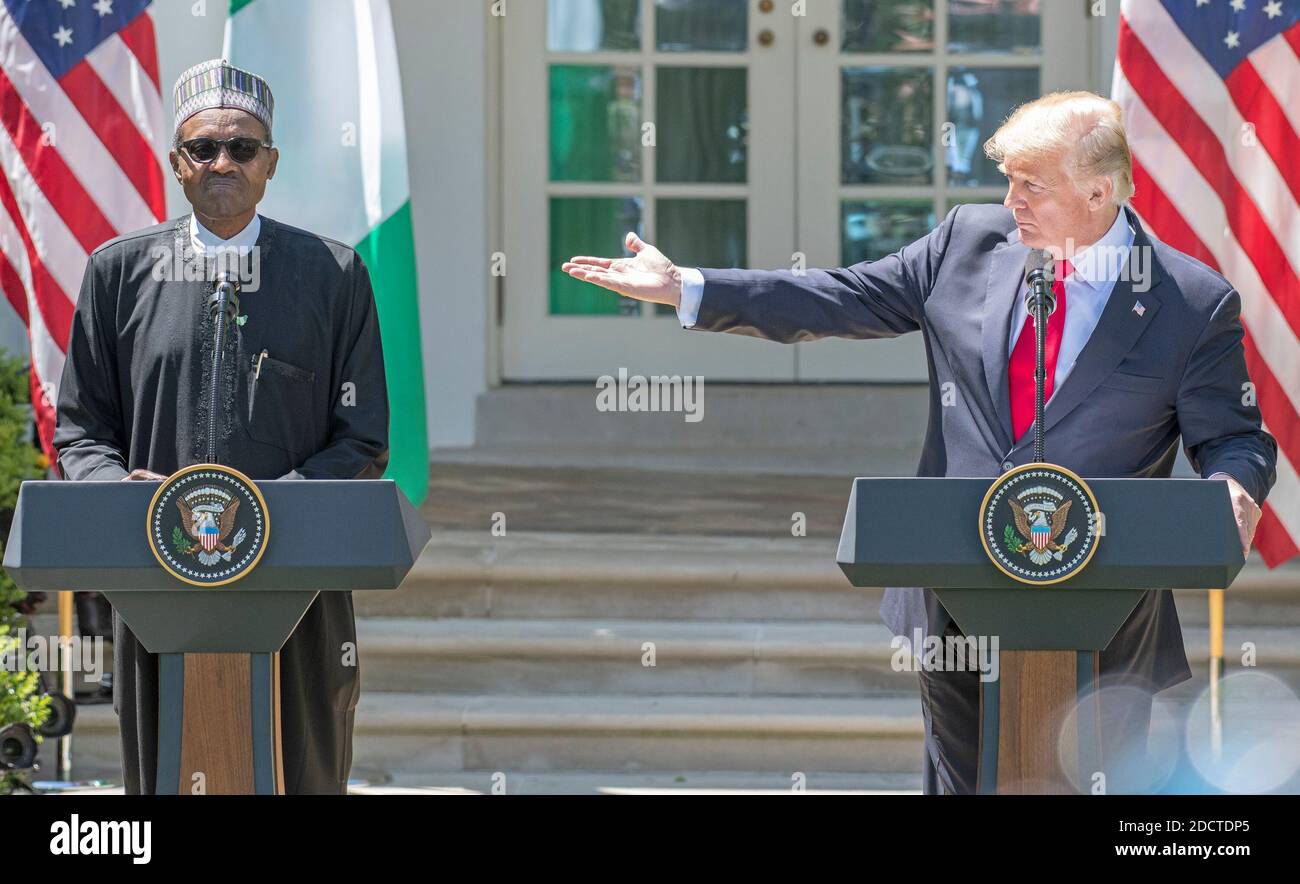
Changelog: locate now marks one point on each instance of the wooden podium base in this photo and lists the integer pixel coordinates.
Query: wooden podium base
(219, 725)
(1040, 724)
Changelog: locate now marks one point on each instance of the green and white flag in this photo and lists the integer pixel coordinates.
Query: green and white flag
(332, 65)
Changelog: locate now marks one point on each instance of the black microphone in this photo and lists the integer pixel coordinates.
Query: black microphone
(225, 297)
(223, 306)
(1040, 302)
(1039, 274)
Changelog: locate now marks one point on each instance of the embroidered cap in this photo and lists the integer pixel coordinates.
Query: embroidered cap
(217, 83)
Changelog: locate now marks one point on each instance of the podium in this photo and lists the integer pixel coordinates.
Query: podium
(1040, 728)
(219, 686)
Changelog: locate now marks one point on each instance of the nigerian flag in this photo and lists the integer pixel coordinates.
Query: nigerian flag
(332, 67)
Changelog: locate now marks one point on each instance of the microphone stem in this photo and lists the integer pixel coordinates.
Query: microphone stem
(218, 346)
(1040, 375)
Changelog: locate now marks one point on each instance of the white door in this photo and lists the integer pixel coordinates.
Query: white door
(751, 133)
(670, 118)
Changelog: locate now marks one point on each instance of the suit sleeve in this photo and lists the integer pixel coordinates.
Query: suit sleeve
(1217, 415)
(90, 435)
(874, 299)
(358, 435)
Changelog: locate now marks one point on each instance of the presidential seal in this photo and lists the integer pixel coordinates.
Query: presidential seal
(1038, 524)
(208, 525)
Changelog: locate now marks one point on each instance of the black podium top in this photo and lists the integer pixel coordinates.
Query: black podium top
(326, 534)
(1159, 534)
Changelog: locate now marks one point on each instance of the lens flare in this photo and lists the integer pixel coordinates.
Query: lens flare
(1258, 748)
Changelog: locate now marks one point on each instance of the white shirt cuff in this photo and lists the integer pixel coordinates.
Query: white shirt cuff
(688, 310)
(1223, 475)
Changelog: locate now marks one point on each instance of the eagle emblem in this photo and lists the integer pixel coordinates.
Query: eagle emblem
(217, 531)
(208, 516)
(1038, 525)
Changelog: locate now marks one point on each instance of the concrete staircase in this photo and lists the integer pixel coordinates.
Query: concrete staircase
(529, 655)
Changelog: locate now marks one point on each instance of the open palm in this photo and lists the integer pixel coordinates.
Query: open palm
(647, 276)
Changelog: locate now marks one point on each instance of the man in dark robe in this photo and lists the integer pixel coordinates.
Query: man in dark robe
(301, 395)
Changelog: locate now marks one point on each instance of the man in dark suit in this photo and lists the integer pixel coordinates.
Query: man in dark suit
(1145, 346)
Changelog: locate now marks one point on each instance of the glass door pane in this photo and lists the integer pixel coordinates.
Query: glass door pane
(704, 125)
(595, 123)
(887, 25)
(978, 100)
(584, 226)
(701, 25)
(886, 125)
(586, 26)
(1009, 26)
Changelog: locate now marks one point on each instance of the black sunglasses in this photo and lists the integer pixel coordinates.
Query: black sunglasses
(241, 150)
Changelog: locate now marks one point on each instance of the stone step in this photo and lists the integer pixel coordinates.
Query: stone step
(487, 656)
(568, 576)
(572, 576)
(419, 735)
(649, 783)
(613, 783)
(409, 733)
(874, 429)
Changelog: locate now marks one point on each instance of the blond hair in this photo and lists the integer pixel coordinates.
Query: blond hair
(1084, 126)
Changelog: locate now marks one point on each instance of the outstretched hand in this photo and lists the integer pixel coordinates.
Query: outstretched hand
(647, 276)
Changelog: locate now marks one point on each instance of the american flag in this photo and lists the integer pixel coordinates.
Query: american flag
(81, 142)
(1211, 97)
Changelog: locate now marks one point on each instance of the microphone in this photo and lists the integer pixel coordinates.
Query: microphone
(1039, 274)
(225, 297)
(223, 306)
(1040, 302)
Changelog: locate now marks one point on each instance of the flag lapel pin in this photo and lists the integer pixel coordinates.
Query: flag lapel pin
(1139, 309)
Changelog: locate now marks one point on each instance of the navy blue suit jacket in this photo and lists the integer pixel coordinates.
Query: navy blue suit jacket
(1140, 383)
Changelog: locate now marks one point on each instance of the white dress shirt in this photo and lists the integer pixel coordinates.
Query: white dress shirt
(688, 309)
(1096, 270)
(202, 239)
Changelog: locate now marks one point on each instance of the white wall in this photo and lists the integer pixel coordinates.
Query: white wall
(1104, 45)
(441, 47)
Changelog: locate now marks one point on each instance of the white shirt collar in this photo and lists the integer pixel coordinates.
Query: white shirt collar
(202, 239)
(1103, 261)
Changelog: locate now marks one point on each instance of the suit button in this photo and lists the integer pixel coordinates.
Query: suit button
(1006, 465)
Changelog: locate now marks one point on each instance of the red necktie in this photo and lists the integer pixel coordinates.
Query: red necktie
(1020, 369)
